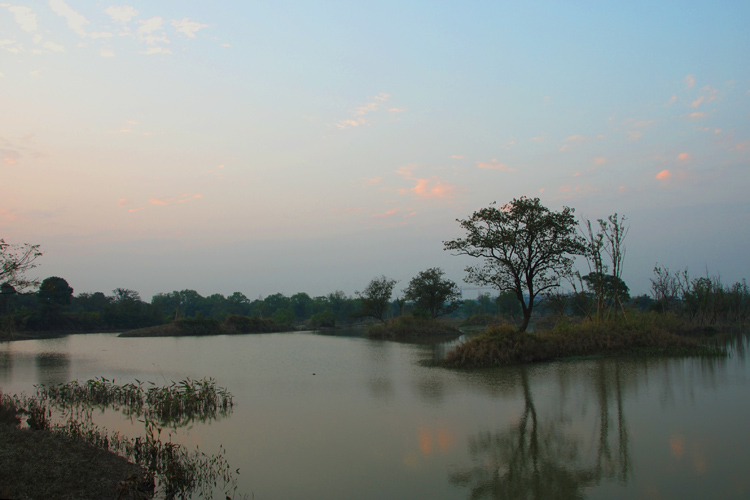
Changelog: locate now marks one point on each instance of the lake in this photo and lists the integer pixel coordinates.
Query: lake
(345, 417)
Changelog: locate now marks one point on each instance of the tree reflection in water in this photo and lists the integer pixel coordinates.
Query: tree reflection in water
(541, 457)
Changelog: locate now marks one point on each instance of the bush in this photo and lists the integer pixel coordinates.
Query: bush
(198, 326)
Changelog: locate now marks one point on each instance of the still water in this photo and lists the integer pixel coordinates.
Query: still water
(344, 417)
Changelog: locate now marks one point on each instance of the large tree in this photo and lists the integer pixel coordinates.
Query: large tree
(524, 247)
(432, 293)
(376, 298)
(15, 261)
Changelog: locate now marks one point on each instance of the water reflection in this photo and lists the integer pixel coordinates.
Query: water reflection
(545, 456)
(52, 367)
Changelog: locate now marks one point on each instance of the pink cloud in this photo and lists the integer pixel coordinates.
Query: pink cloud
(564, 148)
(10, 157)
(697, 115)
(663, 175)
(388, 213)
(174, 200)
(600, 160)
(427, 188)
(458, 157)
(671, 101)
(539, 138)
(495, 165)
(742, 145)
(372, 181)
(690, 81)
(683, 156)
(697, 102)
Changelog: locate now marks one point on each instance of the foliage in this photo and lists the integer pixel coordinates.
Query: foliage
(323, 319)
(375, 299)
(524, 247)
(55, 293)
(15, 262)
(432, 293)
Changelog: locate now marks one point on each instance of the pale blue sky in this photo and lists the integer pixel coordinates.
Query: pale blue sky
(268, 147)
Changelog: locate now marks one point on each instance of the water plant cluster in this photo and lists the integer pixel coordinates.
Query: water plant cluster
(169, 470)
(175, 404)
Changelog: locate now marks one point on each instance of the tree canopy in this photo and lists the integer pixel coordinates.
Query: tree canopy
(524, 247)
(376, 297)
(15, 261)
(432, 293)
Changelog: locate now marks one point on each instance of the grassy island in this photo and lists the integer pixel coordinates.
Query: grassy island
(233, 325)
(641, 335)
(410, 327)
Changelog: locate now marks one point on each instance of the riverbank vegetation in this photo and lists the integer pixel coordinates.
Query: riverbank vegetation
(53, 449)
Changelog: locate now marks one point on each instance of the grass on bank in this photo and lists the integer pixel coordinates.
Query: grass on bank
(639, 335)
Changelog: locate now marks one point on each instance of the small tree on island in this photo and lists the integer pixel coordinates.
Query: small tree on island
(524, 247)
(432, 293)
(376, 298)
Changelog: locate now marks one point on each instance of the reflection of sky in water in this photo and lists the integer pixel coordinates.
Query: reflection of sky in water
(346, 417)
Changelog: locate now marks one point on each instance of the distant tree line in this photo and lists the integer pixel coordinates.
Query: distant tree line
(524, 251)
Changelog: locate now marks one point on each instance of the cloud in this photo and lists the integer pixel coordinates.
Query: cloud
(635, 134)
(575, 138)
(9, 157)
(156, 50)
(388, 213)
(25, 17)
(671, 101)
(187, 27)
(663, 175)
(174, 200)
(494, 165)
(150, 25)
(396, 110)
(372, 181)
(10, 46)
(697, 102)
(600, 160)
(458, 157)
(539, 138)
(372, 105)
(121, 13)
(683, 156)
(697, 115)
(75, 20)
(54, 47)
(564, 148)
(742, 145)
(106, 53)
(690, 81)
(427, 188)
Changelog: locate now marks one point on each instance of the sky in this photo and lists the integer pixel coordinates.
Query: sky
(297, 146)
